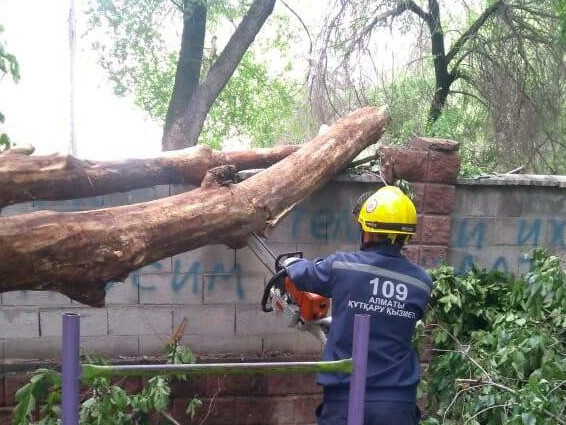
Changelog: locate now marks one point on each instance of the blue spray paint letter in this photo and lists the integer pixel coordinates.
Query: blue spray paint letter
(466, 238)
(526, 233)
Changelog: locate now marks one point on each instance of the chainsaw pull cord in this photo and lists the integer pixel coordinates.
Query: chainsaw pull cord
(266, 292)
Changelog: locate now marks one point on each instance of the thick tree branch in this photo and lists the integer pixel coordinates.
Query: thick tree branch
(77, 253)
(187, 127)
(189, 65)
(26, 178)
(472, 30)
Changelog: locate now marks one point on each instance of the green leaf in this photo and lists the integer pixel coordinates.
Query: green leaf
(528, 418)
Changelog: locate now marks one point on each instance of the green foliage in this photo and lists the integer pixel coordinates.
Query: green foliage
(256, 104)
(38, 402)
(500, 346)
(464, 119)
(8, 65)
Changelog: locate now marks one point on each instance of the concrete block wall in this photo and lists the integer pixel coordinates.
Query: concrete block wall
(218, 290)
(497, 221)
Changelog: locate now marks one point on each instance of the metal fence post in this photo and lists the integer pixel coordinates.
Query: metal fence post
(358, 380)
(71, 369)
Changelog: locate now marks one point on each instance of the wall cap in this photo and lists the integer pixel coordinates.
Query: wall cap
(349, 176)
(514, 180)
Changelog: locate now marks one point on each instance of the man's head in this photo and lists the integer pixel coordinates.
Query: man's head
(386, 215)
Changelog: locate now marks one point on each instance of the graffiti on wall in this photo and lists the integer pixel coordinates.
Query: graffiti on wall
(192, 278)
(479, 236)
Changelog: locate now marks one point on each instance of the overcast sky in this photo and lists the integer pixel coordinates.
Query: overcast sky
(107, 127)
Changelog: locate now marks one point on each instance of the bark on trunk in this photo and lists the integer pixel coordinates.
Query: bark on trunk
(76, 253)
(186, 128)
(25, 178)
(189, 64)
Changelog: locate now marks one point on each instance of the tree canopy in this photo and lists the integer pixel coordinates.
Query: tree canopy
(8, 66)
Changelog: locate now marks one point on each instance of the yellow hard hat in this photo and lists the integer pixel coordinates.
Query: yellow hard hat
(388, 211)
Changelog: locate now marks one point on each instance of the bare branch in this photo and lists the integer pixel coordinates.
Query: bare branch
(472, 31)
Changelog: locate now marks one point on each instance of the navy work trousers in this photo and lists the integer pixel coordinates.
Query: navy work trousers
(376, 413)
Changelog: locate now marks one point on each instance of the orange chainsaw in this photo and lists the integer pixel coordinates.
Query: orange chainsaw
(302, 310)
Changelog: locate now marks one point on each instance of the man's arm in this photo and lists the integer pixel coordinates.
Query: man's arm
(311, 276)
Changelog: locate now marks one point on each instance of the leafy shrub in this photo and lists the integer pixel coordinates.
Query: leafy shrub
(105, 403)
(500, 346)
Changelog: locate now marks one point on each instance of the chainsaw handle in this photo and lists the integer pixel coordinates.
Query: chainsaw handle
(281, 273)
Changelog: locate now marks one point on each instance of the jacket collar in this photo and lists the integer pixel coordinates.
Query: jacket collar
(385, 248)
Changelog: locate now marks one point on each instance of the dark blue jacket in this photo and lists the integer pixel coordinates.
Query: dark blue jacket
(381, 282)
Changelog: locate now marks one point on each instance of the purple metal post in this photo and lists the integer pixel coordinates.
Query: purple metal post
(358, 380)
(71, 368)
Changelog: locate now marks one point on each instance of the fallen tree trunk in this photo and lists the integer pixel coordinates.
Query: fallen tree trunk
(77, 253)
(55, 177)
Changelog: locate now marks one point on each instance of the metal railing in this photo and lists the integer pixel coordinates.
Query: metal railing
(73, 371)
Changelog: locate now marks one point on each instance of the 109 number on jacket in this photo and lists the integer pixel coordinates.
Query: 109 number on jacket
(389, 289)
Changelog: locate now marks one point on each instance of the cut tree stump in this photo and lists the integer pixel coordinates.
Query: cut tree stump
(55, 177)
(76, 253)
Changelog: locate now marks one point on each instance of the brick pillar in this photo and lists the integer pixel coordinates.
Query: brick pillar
(432, 167)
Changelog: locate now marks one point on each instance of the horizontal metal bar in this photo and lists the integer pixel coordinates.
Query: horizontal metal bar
(90, 371)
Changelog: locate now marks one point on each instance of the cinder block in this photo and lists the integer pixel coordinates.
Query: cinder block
(306, 223)
(124, 293)
(235, 288)
(543, 202)
(111, 346)
(251, 320)
(470, 233)
(136, 196)
(206, 259)
(94, 321)
(504, 259)
(35, 298)
(206, 319)
(248, 262)
(171, 289)
(139, 320)
(297, 343)
(33, 348)
(153, 345)
(176, 189)
(501, 201)
(161, 266)
(226, 344)
(16, 209)
(18, 323)
(80, 204)
(505, 231)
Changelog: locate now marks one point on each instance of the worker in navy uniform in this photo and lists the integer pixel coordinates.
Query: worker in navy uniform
(377, 280)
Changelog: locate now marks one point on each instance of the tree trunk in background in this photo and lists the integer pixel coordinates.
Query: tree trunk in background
(77, 253)
(186, 128)
(26, 178)
(443, 79)
(189, 64)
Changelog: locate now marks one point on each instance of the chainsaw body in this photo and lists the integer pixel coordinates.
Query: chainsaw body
(303, 310)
